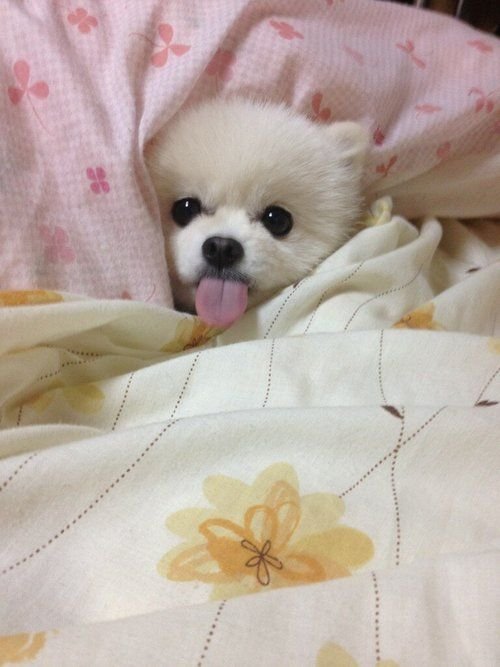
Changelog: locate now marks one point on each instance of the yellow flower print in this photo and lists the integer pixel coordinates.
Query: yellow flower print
(20, 648)
(494, 345)
(333, 655)
(28, 297)
(420, 318)
(263, 535)
(190, 333)
(85, 398)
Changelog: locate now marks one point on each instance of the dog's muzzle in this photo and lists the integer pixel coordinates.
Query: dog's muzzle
(222, 252)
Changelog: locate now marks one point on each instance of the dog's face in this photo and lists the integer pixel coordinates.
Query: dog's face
(253, 196)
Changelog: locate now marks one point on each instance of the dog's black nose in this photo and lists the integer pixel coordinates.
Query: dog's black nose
(222, 252)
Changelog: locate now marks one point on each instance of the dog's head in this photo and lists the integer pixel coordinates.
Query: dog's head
(253, 196)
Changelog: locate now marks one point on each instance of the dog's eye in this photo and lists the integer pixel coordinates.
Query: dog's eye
(277, 220)
(184, 210)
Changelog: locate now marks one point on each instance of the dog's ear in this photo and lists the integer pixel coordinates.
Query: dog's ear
(350, 142)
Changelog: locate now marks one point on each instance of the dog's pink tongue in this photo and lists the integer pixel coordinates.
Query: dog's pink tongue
(219, 303)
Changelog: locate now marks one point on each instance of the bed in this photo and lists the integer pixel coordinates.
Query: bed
(317, 485)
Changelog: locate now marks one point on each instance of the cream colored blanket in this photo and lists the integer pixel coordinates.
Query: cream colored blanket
(316, 486)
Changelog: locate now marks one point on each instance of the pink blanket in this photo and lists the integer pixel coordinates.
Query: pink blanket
(84, 87)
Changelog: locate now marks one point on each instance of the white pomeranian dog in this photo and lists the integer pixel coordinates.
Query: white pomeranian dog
(253, 196)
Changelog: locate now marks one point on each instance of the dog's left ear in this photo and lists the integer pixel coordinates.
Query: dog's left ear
(350, 142)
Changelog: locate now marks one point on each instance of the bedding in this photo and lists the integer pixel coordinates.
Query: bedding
(338, 445)
(85, 88)
(316, 485)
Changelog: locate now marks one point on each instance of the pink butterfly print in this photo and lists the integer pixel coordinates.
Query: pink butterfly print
(81, 18)
(57, 247)
(166, 33)
(321, 114)
(285, 30)
(427, 109)
(482, 101)
(481, 46)
(39, 89)
(443, 150)
(409, 48)
(98, 178)
(385, 168)
(221, 65)
(355, 55)
(378, 136)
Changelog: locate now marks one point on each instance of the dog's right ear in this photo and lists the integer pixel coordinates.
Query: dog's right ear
(350, 142)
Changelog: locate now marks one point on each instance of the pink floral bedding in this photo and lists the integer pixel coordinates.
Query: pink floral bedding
(84, 87)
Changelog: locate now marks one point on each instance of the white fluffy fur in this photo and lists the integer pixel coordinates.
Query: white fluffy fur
(238, 157)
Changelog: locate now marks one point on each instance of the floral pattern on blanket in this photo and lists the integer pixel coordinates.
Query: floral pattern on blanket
(333, 655)
(189, 333)
(263, 535)
(28, 297)
(21, 648)
(494, 345)
(420, 318)
(85, 398)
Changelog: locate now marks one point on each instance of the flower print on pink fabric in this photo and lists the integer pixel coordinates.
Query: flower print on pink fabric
(83, 20)
(22, 73)
(385, 168)
(221, 65)
(357, 56)
(166, 34)
(322, 114)
(39, 89)
(443, 151)
(409, 48)
(378, 136)
(285, 30)
(126, 296)
(483, 100)
(57, 245)
(98, 177)
(427, 109)
(480, 45)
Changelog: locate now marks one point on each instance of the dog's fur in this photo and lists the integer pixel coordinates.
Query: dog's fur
(237, 157)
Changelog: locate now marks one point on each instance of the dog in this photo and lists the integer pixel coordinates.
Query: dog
(253, 196)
